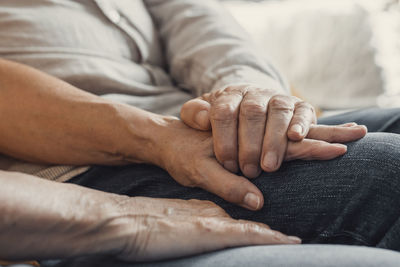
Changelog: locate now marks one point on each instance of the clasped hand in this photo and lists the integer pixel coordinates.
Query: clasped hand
(253, 129)
(252, 126)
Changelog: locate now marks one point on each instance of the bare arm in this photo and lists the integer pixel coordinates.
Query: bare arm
(42, 219)
(43, 119)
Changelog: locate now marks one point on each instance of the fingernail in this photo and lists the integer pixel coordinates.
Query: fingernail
(294, 239)
(251, 170)
(363, 126)
(252, 201)
(270, 160)
(231, 166)
(297, 129)
(340, 146)
(201, 118)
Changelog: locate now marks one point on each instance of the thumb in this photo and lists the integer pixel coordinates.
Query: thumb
(235, 189)
(195, 113)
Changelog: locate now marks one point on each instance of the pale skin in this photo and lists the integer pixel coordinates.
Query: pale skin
(238, 116)
(49, 121)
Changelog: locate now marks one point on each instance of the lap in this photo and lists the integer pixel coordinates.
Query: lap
(273, 256)
(376, 119)
(353, 199)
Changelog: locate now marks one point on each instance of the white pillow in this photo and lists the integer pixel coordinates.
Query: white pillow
(327, 48)
(386, 29)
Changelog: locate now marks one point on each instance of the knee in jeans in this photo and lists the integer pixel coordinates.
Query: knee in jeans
(376, 157)
(369, 195)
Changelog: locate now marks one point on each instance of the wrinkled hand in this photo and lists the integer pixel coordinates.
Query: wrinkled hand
(187, 154)
(167, 228)
(251, 126)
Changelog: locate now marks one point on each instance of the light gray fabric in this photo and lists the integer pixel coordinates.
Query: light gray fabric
(291, 256)
(263, 256)
(206, 49)
(85, 45)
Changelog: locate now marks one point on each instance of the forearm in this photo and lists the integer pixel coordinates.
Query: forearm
(41, 219)
(43, 119)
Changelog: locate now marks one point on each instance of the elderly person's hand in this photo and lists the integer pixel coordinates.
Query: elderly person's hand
(187, 154)
(252, 126)
(170, 228)
(60, 220)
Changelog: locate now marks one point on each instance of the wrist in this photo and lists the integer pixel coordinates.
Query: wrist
(61, 220)
(124, 224)
(113, 228)
(164, 131)
(137, 135)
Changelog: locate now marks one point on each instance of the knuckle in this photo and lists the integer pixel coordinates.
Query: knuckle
(306, 106)
(236, 89)
(231, 88)
(281, 104)
(253, 110)
(333, 134)
(302, 104)
(194, 179)
(206, 96)
(250, 228)
(276, 236)
(210, 224)
(296, 99)
(223, 112)
(207, 224)
(190, 183)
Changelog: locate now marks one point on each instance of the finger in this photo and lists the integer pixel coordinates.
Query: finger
(195, 113)
(232, 188)
(309, 149)
(259, 234)
(210, 234)
(348, 124)
(252, 118)
(224, 122)
(337, 133)
(280, 112)
(242, 232)
(304, 115)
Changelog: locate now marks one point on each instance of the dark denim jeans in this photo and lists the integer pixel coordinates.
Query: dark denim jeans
(354, 199)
